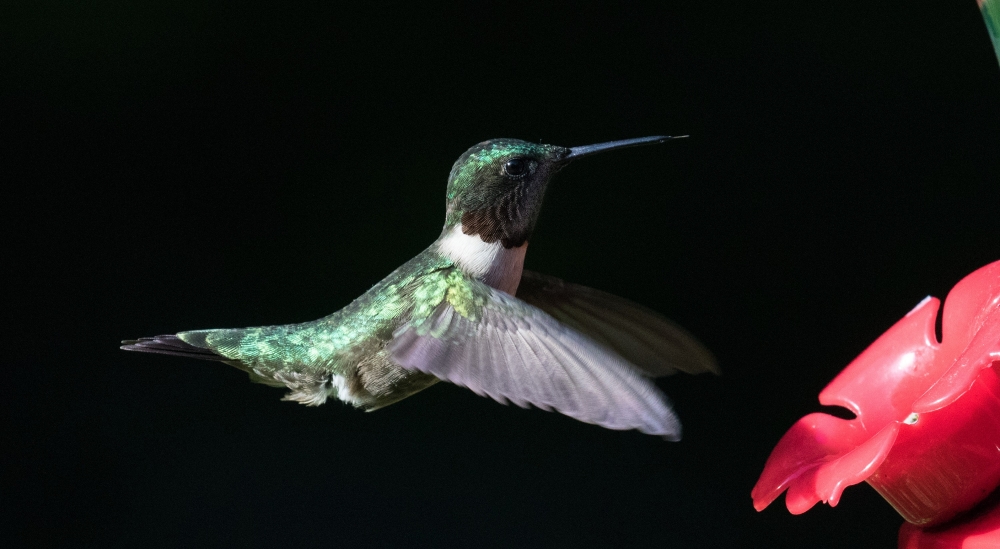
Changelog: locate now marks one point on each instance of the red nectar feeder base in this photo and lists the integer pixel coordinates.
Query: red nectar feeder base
(945, 461)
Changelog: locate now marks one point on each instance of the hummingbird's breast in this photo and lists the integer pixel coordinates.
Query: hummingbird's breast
(490, 262)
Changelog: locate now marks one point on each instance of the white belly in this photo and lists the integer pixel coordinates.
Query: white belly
(489, 262)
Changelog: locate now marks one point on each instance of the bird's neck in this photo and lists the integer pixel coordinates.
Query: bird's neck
(489, 262)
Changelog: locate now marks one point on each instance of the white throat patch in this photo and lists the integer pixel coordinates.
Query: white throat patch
(489, 262)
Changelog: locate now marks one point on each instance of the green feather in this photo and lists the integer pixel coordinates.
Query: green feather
(991, 14)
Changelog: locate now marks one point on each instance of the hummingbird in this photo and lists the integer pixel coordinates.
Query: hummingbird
(465, 311)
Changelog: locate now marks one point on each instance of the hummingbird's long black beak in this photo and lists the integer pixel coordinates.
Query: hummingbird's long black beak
(587, 150)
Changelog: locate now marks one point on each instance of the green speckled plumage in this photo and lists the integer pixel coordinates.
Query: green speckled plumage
(991, 15)
(337, 344)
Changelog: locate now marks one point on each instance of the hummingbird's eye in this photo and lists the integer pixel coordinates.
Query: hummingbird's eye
(516, 168)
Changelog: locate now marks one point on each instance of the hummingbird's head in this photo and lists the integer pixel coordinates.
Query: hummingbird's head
(496, 188)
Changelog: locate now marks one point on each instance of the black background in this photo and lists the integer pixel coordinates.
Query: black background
(175, 165)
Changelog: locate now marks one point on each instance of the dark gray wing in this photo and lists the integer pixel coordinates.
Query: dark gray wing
(645, 338)
(510, 350)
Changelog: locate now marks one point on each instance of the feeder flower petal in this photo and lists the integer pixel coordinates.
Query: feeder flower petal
(926, 432)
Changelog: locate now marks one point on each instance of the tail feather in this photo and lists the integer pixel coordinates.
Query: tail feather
(170, 345)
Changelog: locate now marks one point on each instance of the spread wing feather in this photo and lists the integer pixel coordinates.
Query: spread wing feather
(514, 351)
(643, 337)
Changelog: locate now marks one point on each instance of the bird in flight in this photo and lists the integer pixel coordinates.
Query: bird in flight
(465, 311)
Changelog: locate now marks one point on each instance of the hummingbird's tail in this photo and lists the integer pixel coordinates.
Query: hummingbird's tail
(170, 345)
(195, 344)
